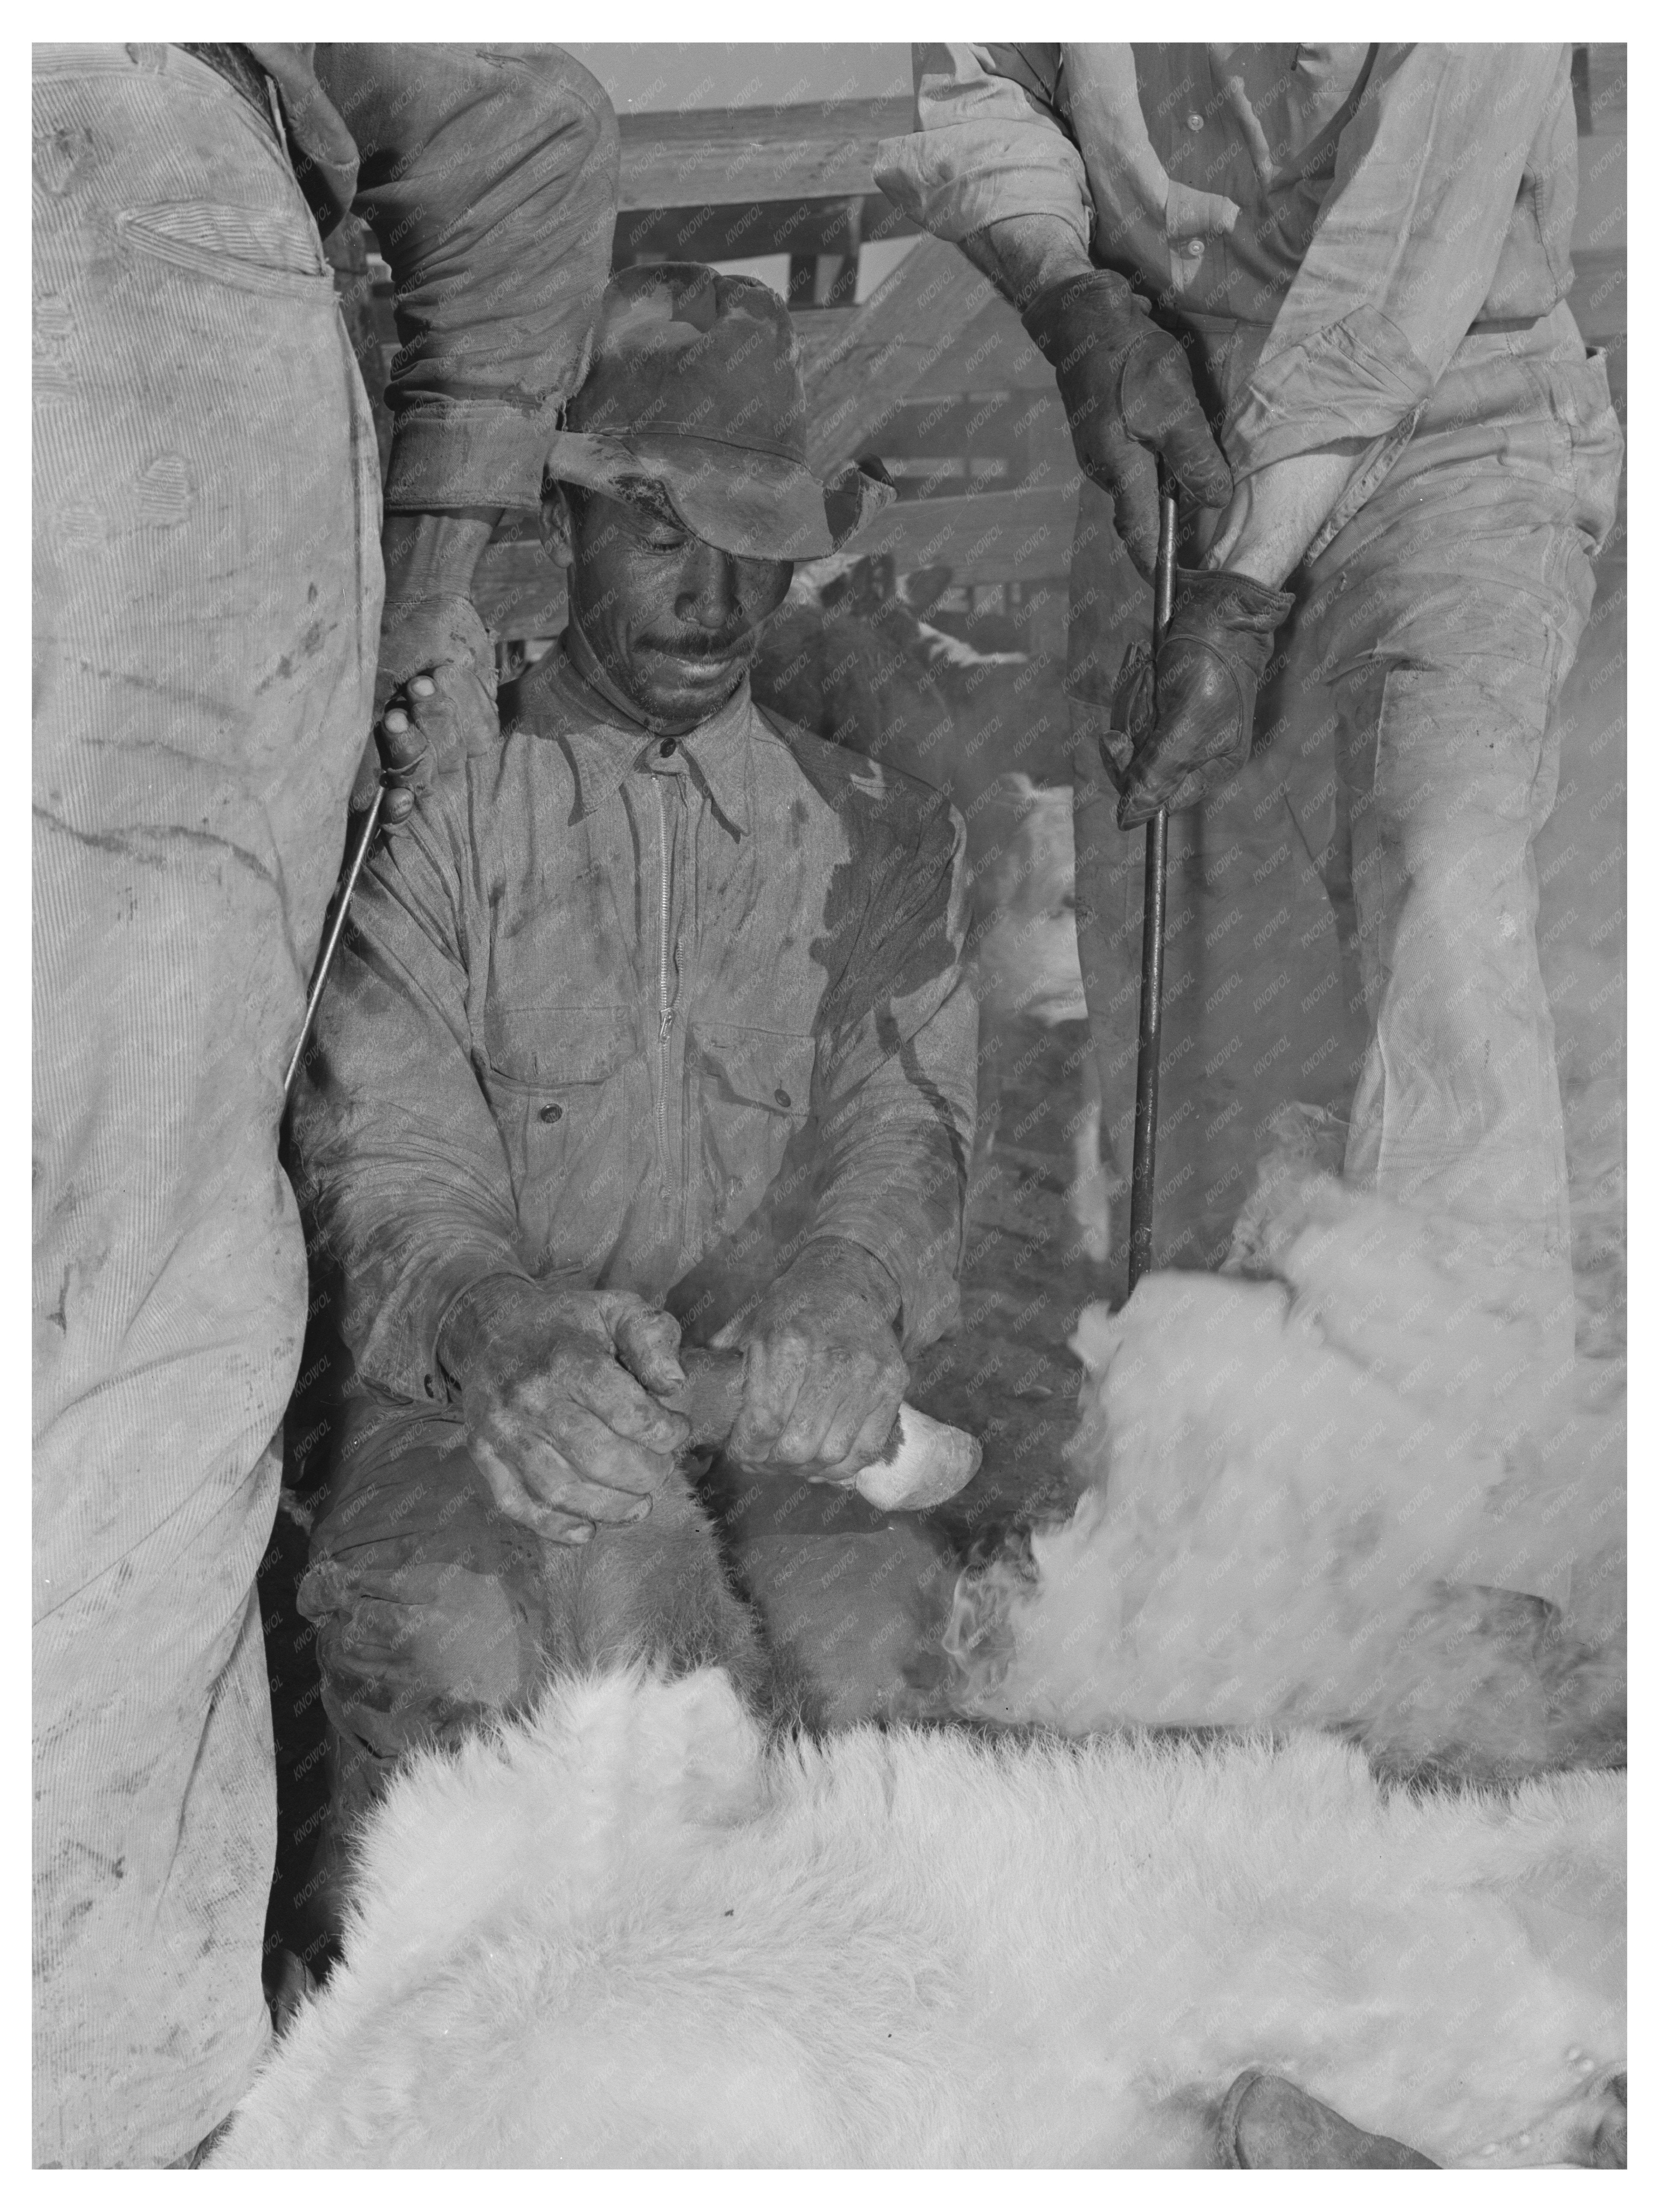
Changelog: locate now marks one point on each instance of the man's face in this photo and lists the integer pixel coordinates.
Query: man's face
(673, 621)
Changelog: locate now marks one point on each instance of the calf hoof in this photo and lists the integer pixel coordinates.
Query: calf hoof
(289, 1987)
(1611, 2140)
(1266, 2121)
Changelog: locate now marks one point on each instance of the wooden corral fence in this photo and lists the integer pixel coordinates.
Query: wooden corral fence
(933, 371)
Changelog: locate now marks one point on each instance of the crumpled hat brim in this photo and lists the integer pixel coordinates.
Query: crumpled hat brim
(763, 507)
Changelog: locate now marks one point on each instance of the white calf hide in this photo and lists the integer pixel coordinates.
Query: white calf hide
(1308, 1495)
(630, 1933)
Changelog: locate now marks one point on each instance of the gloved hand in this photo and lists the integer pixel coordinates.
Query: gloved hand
(555, 1386)
(824, 1377)
(435, 700)
(1188, 716)
(1129, 397)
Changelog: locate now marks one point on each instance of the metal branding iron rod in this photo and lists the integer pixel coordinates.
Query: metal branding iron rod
(330, 943)
(1142, 1172)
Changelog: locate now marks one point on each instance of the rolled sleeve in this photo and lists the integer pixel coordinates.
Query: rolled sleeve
(489, 176)
(1407, 246)
(987, 144)
(896, 1120)
(401, 1165)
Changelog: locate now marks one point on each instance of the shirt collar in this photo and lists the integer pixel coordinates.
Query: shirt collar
(603, 746)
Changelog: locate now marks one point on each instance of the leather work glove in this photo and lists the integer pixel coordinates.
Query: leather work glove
(435, 701)
(1129, 397)
(823, 1377)
(1188, 715)
(560, 1388)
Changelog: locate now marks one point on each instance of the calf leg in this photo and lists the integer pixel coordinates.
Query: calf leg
(655, 1590)
(854, 1599)
(1096, 1179)
(436, 1615)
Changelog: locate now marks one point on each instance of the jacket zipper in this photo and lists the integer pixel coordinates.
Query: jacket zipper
(664, 1010)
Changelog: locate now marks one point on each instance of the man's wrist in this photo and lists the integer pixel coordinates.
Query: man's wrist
(849, 1268)
(470, 1317)
(1091, 316)
(1276, 512)
(432, 555)
(1025, 254)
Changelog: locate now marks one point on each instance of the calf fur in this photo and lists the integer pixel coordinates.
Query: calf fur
(637, 1931)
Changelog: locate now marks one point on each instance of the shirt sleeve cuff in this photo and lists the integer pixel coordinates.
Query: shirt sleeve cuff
(401, 1351)
(954, 181)
(468, 452)
(923, 1264)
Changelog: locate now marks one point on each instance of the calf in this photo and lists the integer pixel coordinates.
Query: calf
(635, 1931)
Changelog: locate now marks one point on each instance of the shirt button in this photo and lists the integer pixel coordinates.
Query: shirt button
(1194, 122)
(666, 749)
(550, 1113)
(782, 1097)
(1194, 249)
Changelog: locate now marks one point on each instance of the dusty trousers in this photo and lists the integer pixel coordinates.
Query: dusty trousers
(1352, 916)
(436, 1614)
(207, 596)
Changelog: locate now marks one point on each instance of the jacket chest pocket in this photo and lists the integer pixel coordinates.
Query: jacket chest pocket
(560, 1081)
(755, 1090)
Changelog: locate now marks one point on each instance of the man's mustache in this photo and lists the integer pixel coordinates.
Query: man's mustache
(698, 645)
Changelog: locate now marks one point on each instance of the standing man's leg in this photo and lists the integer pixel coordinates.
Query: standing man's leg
(1449, 611)
(207, 602)
(1452, 610)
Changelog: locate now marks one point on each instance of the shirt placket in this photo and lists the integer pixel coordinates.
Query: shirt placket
(1193, 147)
(676, 800)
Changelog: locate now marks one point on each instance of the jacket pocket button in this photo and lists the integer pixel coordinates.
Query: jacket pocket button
(550, 1113)
(782, 1097)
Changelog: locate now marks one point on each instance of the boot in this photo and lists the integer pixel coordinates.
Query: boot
(1266, 2121)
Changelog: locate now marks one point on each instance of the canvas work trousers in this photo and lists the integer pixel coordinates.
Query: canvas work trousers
(1352, 916)
(207, 599)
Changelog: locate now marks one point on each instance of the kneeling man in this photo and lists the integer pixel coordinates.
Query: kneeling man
(658, 1022)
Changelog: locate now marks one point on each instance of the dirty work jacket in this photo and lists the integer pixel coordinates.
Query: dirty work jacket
(600, 1002)
(488, 174)
(1327, 221)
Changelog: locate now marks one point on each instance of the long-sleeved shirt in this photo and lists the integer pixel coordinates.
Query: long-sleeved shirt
(488, 174)
(1328, 221)
(645, 1015)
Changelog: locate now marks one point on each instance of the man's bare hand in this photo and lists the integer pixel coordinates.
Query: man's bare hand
(555, 1387)
(435, 700)
(823, 1377)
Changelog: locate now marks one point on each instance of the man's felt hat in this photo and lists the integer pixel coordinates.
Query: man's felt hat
(694, 384)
